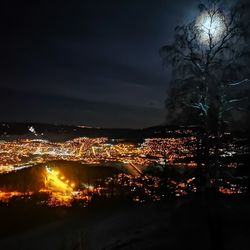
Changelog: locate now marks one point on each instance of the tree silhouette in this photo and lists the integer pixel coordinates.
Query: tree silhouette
(208, 58)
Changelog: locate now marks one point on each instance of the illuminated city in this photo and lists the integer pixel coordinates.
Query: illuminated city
(134, 161)
(125, 125)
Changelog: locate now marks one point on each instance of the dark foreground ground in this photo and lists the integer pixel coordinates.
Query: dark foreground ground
(186, 223)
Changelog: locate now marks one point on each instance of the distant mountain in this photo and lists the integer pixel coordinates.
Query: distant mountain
(10, 130)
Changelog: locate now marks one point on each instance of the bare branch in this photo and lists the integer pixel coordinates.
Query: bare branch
(200, 106)
(240, 82)
(226, 110)
(237, 100)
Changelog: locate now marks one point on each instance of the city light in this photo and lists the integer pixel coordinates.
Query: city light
(132, 158)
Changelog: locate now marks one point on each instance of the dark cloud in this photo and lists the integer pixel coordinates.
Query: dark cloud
(31, 106)
(93, 62)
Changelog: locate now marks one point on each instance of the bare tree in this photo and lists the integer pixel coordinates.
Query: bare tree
(208, 59)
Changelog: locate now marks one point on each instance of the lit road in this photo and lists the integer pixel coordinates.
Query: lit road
(133, 170)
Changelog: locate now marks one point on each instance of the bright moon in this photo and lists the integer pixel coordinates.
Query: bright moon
(210, 26)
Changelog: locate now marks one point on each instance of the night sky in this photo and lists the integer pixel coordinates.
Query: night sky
(87, 62)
